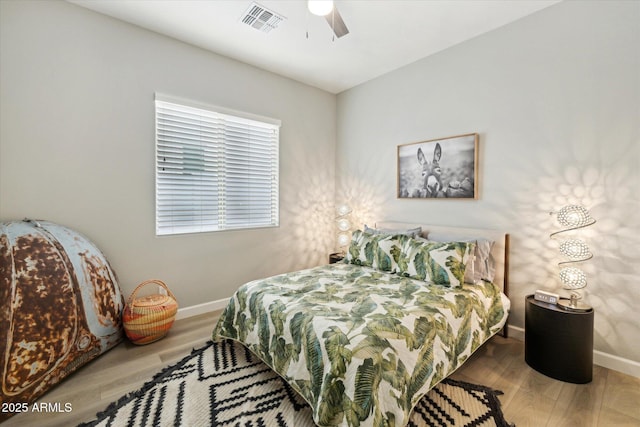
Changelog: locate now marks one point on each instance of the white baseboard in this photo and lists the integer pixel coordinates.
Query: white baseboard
(516, 332)
(600, 358)
(616, 363)
(203, 308)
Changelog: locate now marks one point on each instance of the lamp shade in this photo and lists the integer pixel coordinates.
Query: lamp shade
(343, 210)
(574, 216)
(343, 239)
(320, 7)
(573, 278)
(344, 224)
(575, 250)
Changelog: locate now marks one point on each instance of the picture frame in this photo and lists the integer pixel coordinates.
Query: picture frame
(439, 168)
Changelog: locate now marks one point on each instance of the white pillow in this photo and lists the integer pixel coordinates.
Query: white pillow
(483, 266)
(413, 232)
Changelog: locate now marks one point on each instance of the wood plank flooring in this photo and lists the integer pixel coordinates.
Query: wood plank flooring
(529, 399)
(533, 399)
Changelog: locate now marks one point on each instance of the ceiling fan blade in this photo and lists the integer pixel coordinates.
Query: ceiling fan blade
(337, 23)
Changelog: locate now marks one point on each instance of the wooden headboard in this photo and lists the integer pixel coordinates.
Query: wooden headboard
(499, 250)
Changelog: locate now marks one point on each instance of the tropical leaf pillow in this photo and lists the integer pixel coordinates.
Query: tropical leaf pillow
(372, 250)
(442, 263)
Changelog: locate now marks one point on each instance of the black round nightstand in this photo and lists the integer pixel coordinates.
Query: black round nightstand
(557, 342)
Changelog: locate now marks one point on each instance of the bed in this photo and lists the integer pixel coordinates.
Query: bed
(365, 339)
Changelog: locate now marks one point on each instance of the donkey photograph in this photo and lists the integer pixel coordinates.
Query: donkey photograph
(438, 168)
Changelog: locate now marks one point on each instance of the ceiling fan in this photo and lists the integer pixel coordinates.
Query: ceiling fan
(327, 9)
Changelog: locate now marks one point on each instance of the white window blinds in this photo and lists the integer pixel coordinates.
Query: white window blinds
(214, 171)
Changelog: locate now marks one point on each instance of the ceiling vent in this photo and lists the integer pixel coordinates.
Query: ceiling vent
(261, 18)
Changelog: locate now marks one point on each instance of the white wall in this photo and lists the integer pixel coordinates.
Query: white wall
(555, 98)
(77, 147)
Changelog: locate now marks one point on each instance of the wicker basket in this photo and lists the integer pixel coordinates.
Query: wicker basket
(148, 319)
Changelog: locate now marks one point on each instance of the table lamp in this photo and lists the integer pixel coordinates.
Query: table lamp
(573, 217)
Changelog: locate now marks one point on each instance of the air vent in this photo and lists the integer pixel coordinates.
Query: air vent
(261, 18)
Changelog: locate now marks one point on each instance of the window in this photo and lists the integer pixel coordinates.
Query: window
(214, 170)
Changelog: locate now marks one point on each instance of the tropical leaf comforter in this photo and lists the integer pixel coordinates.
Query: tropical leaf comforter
(360, 345)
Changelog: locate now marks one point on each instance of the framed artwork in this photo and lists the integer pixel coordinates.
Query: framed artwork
(439, 168)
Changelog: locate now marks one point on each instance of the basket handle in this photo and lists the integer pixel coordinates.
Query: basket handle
(147, 282)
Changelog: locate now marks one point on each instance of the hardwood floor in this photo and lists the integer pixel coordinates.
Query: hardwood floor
(529, 399)
(533, 399)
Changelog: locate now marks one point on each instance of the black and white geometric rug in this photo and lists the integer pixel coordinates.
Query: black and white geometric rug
(224, 384)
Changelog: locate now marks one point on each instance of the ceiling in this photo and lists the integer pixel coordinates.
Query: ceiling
(384, 35)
